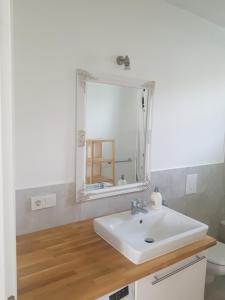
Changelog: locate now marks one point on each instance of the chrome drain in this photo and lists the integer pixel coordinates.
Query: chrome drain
(149, 240)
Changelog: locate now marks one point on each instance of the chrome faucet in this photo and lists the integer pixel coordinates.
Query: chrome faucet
(137, 206)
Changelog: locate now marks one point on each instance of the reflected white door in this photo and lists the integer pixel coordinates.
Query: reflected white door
(7, 201)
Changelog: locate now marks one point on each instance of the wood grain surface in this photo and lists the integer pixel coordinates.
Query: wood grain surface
(72, 262)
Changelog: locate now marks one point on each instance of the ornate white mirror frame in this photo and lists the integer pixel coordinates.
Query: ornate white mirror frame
(81, 78)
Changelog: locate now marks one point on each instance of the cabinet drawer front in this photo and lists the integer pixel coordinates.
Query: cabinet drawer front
(184, 282)
(179, 269)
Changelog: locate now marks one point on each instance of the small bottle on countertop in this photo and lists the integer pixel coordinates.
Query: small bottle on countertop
(122, 180)
(156, 199)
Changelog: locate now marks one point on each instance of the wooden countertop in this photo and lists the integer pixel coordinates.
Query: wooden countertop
(71, 262)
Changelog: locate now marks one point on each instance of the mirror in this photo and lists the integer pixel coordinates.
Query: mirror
(114, 135)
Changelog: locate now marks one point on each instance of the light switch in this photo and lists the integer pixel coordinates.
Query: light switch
(50, 200)
(191, 184)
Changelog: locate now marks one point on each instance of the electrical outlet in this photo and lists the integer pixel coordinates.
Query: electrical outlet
(191, 184)
(36, 203)
(40, 202)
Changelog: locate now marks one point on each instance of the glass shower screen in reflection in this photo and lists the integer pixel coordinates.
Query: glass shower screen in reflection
(116, 119)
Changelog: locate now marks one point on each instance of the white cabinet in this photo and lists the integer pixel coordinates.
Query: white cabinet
(182, 281)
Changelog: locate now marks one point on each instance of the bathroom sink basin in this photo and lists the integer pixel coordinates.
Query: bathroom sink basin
(142, 237)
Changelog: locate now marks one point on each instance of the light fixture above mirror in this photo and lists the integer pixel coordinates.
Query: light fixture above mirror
(123, 60)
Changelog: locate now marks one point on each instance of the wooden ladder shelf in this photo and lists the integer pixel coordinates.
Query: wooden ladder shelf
(95, 160)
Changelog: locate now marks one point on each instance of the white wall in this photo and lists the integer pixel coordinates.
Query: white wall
(183, 53)
(103, 102)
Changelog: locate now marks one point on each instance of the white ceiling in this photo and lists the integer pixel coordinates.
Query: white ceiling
(212, 10)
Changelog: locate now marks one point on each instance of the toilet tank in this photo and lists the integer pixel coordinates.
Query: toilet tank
(222, 231)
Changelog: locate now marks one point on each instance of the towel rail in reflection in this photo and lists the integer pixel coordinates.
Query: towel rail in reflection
(123, 161)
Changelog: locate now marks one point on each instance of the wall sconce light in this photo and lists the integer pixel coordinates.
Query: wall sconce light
(123, 60)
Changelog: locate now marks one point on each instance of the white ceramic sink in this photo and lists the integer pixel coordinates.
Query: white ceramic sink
(169, 229)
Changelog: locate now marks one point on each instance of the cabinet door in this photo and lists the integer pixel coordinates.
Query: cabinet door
(185, 281)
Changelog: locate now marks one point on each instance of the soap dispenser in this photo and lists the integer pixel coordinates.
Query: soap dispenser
(156, 199)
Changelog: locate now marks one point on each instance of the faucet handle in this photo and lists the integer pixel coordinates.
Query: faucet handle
(135, 203)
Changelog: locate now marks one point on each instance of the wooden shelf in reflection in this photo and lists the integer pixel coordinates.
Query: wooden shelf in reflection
(95, 160)
(97, 179)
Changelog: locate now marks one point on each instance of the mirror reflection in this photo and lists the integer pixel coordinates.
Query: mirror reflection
(116, 118)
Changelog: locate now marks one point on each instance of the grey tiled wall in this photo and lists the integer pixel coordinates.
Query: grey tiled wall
(207, 205)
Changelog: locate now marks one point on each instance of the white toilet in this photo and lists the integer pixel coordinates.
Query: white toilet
(216, 257)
